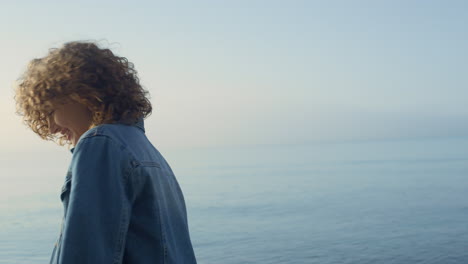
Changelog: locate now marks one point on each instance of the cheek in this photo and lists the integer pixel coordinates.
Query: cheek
(60, 120)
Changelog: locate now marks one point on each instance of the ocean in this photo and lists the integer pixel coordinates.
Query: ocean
(396, 201)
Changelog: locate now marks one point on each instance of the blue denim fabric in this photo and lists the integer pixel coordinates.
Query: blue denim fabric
(122, 203)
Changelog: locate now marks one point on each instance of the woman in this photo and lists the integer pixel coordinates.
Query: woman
(122, 203)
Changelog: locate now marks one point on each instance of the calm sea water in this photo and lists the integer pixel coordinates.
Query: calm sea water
(366, 202)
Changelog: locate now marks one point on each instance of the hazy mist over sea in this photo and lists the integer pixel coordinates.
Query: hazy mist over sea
(300, 131)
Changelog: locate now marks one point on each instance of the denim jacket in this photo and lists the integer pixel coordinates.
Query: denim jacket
(122, 203)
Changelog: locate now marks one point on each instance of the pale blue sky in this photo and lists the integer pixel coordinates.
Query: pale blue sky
(264, 72)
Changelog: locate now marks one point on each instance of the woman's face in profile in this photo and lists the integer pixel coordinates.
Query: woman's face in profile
(71, 119)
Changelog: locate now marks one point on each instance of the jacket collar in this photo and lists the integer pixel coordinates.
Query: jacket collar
(140, 124)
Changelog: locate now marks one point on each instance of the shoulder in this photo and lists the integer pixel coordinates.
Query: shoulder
(127, 140)
(98, 151)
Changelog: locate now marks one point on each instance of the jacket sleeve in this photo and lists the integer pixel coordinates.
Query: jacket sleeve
(98, 211)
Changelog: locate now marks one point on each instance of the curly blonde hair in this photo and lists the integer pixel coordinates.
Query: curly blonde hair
(82, 72)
